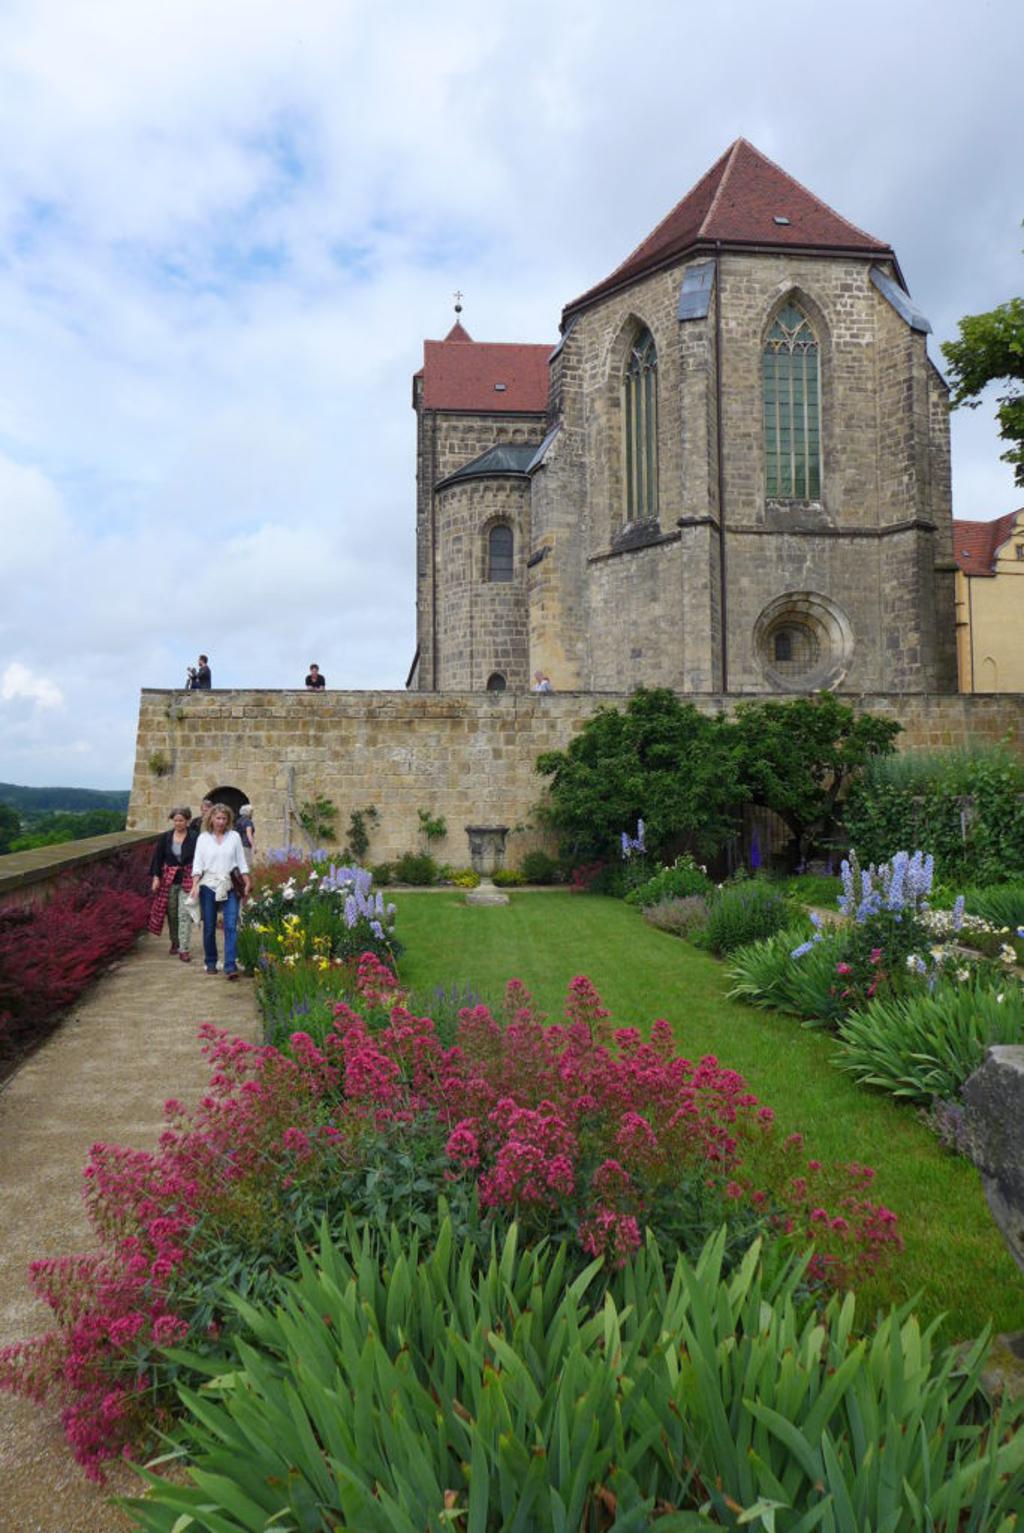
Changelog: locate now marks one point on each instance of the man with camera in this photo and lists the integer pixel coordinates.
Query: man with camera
(199, 679)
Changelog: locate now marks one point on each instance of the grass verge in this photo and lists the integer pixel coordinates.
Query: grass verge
(955, 1257)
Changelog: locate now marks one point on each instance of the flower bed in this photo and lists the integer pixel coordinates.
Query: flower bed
(915, 1008)
(304, 925)
(50, 952)
(578, 1130)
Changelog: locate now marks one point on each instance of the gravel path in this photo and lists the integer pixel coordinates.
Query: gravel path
(105, 1074)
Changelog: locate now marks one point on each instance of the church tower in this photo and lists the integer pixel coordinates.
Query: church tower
(730, 475)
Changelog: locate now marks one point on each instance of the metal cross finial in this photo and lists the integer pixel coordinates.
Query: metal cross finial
(458, 301)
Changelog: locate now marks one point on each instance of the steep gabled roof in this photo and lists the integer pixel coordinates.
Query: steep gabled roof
(976, 544)
(484, 376)
(739, 202)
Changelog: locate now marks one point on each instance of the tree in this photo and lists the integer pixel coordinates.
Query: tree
(10, 826)
(661, 761)
(798, 757)
(991, 350)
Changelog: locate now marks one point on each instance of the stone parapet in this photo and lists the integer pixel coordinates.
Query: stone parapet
(466, 756)
(28, 878)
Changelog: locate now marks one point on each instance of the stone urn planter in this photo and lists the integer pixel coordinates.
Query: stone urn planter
(486, 855)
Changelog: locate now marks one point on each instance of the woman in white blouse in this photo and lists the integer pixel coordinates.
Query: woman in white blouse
(218, 852)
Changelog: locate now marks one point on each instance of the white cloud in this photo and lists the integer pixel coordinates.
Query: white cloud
(19, 682)
(228, 228)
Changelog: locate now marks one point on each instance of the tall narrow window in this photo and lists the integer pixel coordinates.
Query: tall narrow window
(499, 553)
(640, 413)
(792, 409)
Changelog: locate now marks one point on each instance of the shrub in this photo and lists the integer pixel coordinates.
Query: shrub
(398, 1387)
(382, 874)
(539, 867)
(927, 1045)
(463, 878)
(509, 878)
(50, 953)
(683, 878)
(765, 974)
(967, 805)
(1002, 905)
(743, 913)
(415, 868)
(682, 917)
(578, 1132)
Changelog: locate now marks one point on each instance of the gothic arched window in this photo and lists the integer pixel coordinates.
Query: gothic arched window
(499, 552)
(792, 408)
(640, 419)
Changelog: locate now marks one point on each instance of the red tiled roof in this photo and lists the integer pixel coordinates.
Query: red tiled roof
(737, 202)
(462, 374)
(975, 544)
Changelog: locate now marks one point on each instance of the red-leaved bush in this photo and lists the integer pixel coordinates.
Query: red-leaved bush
(50, 952)
(577, 1129)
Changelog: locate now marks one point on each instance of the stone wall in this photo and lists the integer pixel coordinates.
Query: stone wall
(467, 756)
(30, 878)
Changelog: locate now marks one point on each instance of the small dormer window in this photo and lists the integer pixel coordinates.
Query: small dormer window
(1020, 550)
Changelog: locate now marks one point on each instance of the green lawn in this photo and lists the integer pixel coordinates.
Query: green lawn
(955, 1256)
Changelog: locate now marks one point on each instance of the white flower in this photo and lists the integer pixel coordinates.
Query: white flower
(911, 961)
(1007, 953)
(289, 894)
(963, 974)
(999, 999)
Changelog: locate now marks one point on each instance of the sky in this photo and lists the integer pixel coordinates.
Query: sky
(226, 229)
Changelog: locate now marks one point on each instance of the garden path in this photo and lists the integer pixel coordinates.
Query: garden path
(105, 1074)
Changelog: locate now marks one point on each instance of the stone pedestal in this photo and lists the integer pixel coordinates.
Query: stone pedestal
(486, 854)
(994, 1126)
(994, 1131)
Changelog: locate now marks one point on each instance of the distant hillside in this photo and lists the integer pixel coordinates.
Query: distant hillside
(36, 801)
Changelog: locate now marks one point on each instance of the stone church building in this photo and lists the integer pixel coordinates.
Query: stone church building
(730, 475)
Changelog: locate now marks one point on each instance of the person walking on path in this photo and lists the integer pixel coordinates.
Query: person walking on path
(247, 833)
(171, 872)
(199, 823)
(219, 857)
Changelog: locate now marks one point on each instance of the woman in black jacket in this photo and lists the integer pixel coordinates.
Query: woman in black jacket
(171, 872)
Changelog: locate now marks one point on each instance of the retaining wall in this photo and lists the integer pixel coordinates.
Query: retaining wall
(468, 757)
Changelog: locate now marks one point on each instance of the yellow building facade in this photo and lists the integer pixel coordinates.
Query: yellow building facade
(990, 603)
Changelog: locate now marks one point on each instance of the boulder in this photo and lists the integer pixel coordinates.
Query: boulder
(994, 1133)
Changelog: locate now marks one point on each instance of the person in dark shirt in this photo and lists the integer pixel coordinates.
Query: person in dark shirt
(314, 681)
(171, 873)
(199, 678)
(199, 823)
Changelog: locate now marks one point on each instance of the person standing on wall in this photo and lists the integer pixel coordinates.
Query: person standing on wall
(221, 874)
(171, 873)
(199, 677)
(314, 681)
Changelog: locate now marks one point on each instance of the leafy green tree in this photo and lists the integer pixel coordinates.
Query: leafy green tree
(991, 350)
(661, 761)
(10, 826)
(54, 829)
(798, 758)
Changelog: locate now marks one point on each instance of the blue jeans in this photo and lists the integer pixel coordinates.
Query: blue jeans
(209, 907)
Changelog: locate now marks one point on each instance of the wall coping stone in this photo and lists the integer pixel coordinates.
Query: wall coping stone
(43, 863)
